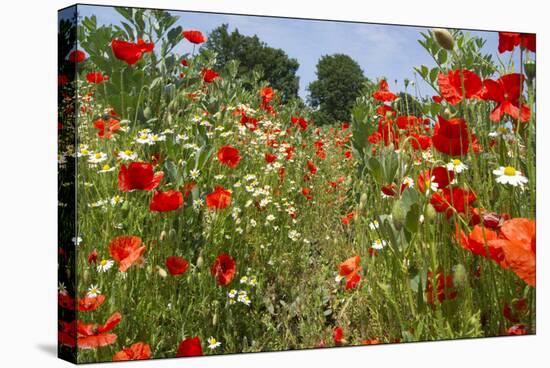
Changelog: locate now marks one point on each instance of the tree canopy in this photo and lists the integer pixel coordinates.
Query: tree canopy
(339, 82)
(252, 53)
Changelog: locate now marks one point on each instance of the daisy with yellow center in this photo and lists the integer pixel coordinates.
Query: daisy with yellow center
(127, 155)
(106, 168)
(457, 166)
(213, 343)
(93, 291)
(509, 175)
(378, 244)
(97, 158)
(105, 265)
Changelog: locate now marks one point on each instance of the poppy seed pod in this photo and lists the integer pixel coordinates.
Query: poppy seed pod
(460, 276)
(429, 212)
(444, 38)
(399, 214)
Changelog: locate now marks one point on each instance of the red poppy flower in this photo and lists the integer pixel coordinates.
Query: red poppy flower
(77, 56)
(350, 270)
(347, 218)
(383, 93)
(439, 175)
(138, 351)
(223, 269)
(130, 52)
(184, 62)
(176, 265)
(229, 156)
(479, 243)
(270, 158)
(450, 85)
(166, 201)
(512, 312)
(106, 128)
(451, 136)
(138, 176)
(65, 301)
(62, 80)
(188, 188)
(193, 36)
(209, 75)
(301, 122)
(517, 330)
(219, 199)
(456, 198)
(96, 77)
(508, 40)
(266, 93)
(306, 192)
(518, 242)
(126, 250)
(311, 167)
(90, 303)
(92, 257)
(66, 334)
(506, 92)
(145, 46)
(93, 335)
(189, 347)
(445, 288)
(420, 141)
(338, 335)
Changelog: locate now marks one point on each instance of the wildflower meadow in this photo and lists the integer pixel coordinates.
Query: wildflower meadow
(203, 212)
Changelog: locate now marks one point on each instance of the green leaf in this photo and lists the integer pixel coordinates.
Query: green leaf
(412, 219)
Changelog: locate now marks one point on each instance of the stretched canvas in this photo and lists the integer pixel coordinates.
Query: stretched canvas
(237, 183)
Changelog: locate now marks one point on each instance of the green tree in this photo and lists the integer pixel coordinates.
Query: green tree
(339, 82)
(407, 104)
(252, 53)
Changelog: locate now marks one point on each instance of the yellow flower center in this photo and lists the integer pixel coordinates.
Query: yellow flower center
(104, 262)
(143, 137)
(456, 162)
(509, 171)
(84, 151)
(106, 167)
(128, 152)
(98, 155)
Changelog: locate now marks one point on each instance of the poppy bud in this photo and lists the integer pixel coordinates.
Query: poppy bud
(362, 201)
(460, 276)
(162, 235)
(429, 212)
(172, 233)
(399, 213)
(530, 69)
(199, 262)
(444, 38)
(147, 113)
(162, 272)
(215, 319)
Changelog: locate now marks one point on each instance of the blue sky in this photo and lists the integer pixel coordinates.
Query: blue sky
(381, 50)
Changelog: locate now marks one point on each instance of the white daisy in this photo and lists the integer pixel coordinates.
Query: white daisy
(194, 174)
(105, 265)
(97, 158)
(373, 225)
(93, 291)
(77, 240)
(378, 244)
(457, 166)
(213, 343)
(509, 175)
(127, 155)
(106, 169)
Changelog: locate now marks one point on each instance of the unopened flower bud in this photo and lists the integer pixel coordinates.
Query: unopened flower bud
(444, 38)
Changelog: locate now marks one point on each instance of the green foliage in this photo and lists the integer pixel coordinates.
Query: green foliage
(273, 64)
(338, 84)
